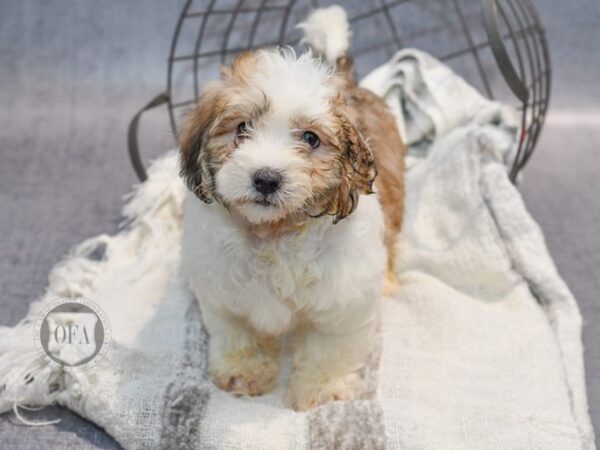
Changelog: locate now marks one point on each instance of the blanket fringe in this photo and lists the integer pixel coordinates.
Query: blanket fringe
(152, 211)
(24, 374)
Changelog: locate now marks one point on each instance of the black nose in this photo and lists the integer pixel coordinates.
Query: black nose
(267, 181)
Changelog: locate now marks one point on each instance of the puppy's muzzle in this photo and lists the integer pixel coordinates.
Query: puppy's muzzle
(267, 181)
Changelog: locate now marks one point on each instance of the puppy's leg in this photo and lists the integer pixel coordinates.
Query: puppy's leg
(240, 361)
(326, 367)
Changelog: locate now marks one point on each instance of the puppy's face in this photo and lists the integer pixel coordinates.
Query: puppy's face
(273, 139)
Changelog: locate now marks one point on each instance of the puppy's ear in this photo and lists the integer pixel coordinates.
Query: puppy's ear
(358, 170)
(195, 160)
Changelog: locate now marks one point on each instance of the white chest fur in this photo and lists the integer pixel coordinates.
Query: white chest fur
(329, 275)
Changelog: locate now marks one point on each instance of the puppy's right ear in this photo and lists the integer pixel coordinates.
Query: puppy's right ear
(193, 137)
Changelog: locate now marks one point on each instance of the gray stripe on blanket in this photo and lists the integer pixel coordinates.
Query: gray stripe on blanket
(187, 396)
(351, 425)
(347, 426)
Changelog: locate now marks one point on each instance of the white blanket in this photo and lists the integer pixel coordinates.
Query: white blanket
(480, 349)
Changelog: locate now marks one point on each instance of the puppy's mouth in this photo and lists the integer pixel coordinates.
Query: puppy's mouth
(264, 202)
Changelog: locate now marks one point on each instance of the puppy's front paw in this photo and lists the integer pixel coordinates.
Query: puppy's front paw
(309, 391)
(245, 372)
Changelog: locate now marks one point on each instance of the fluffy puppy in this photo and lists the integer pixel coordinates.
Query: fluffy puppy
(278, 236)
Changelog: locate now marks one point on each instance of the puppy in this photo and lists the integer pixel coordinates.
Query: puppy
(281, 230)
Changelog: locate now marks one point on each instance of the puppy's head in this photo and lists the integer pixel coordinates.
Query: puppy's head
(273, 138)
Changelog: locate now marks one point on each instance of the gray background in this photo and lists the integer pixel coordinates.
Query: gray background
(73, 73)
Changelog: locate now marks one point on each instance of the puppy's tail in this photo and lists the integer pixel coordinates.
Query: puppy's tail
(327, 32)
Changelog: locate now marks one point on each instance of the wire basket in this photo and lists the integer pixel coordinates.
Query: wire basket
(499, 46)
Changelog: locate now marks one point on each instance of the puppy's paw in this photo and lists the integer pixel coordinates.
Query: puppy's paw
(245, 372)
(307, 392)
(391, 284)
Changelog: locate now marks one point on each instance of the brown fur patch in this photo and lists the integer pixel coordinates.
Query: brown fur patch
(193, 141)
(357, 166)
(242, 66)
(377, 124)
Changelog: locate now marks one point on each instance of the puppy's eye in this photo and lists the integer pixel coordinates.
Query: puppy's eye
(311, 139)
(242, 129)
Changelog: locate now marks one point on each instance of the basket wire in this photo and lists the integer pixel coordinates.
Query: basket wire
(497, 45)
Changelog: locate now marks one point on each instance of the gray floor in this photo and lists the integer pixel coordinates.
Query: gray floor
(73, 73)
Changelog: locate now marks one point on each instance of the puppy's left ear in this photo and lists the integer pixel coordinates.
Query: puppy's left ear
(358, 168)
(195, 160)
